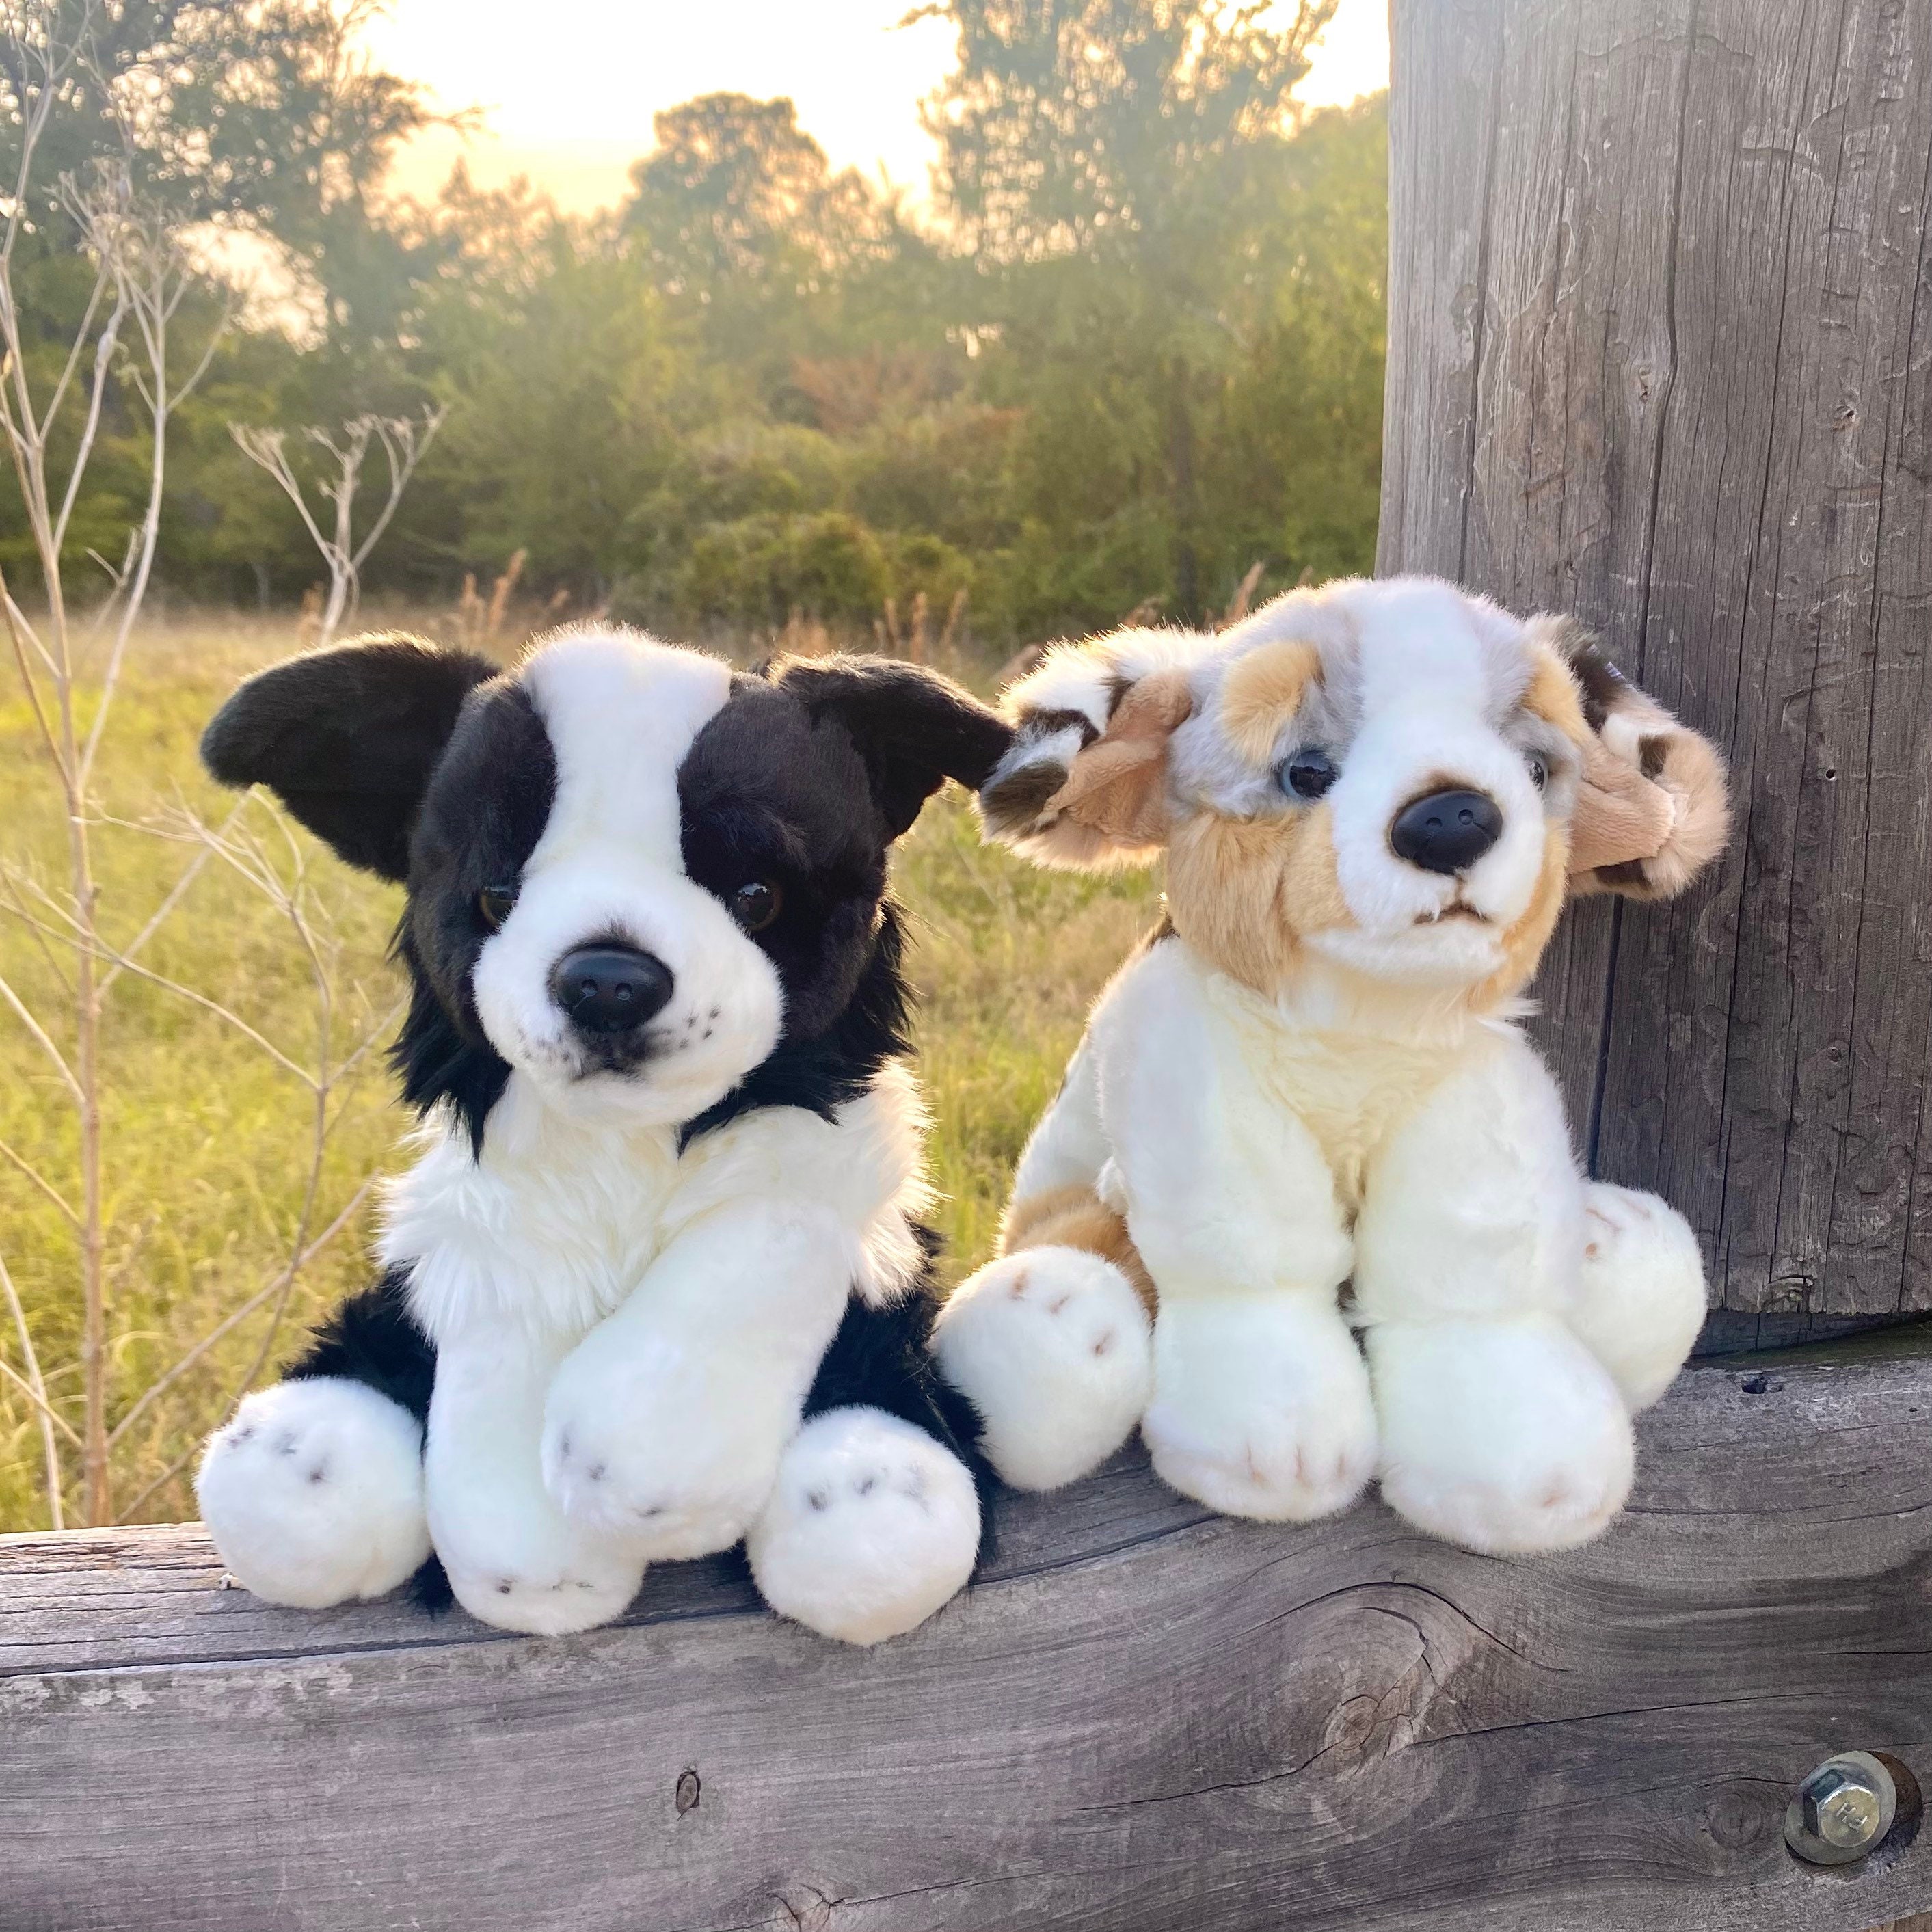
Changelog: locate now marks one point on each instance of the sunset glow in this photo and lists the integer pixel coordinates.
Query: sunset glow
(571, 108)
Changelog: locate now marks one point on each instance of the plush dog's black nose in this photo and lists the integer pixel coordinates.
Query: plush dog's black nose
(608, 989)
(1447, 831)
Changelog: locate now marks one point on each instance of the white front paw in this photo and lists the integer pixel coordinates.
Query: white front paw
(314, 1494)
(1640, 1299)
(873, 1526)
(547, 1582)
(1261, 1406)
(671, 1460)
(1052, 1347)
(1501, 1437)
(512, 1558)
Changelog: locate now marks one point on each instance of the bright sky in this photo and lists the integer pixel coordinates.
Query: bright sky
(570, 104)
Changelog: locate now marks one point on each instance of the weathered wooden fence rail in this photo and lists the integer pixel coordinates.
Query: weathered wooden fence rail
(1145, 1720)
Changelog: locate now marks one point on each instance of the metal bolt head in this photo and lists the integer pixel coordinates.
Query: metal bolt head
(1842, 1809)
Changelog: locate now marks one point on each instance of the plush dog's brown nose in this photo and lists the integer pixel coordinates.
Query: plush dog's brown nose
(1447, 831)
(610, 989)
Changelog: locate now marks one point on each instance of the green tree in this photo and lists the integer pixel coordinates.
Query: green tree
(265, 119)
(1111, 165)
(746, 226)
(570, 386)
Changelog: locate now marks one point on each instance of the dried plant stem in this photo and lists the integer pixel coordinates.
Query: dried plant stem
(141, 278)
(36, 1388)
(33, 1173)
(404, 441)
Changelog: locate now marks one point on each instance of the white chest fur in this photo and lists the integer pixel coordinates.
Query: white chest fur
(557, 1221)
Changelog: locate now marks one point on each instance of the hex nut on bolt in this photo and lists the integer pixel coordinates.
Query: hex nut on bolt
(1843, 1810)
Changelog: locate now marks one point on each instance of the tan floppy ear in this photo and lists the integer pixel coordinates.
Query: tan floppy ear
(1084, 784)
(1652, 811)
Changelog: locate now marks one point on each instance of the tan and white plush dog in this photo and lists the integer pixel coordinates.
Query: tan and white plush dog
(1373, 800)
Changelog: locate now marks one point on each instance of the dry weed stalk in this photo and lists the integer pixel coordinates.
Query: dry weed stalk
(1243, 598)
(404, 441)
(913, 640)
(141, 277)
(274, 868)
(800, 637)
(479, 622)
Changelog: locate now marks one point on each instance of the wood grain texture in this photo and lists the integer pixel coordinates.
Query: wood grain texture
(1144, 1720)
(1661, 353)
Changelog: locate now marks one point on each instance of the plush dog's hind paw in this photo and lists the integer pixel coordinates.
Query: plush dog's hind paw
(873, 1524)
(1052, 1347)
(314, 1494)
(1640, 1300)
(1506, 1438)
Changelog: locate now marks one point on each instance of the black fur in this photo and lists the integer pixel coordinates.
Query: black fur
(1602, 686)
(822, 1073)
(775, 788)
(347, 738)
(482, 814)
(372, 1338)
(436, 1059)
(913, 729)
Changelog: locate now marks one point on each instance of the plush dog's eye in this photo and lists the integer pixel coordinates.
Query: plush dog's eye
(1308, 773)
(1539, 769)
(494, 904)
(755, 904)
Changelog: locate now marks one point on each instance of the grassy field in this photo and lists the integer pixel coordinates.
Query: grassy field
(209, 1140)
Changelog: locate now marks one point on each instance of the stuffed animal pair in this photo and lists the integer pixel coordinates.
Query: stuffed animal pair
(1303, 1110)
(654, 1282)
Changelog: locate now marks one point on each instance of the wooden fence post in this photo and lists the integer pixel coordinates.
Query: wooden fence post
(1660, 353)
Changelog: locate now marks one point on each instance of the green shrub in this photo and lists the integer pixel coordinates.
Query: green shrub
(756, 571)
(921, 564)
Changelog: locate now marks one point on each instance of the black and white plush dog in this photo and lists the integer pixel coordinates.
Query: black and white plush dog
(654, 1283)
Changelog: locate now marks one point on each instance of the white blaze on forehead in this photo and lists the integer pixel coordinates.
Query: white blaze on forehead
(1419, 646)
(621, 710)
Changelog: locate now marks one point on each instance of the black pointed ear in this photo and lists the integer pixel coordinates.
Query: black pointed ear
(913, 728)
(347, 738)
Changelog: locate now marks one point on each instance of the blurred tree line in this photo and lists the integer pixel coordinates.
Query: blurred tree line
(1136, 349)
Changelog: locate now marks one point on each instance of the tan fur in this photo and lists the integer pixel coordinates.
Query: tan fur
(1652, 809)
(1262, 692)
(1116, 787)
(1076, 1217)
(1553, 697)
(1624, 822)
(1349, 1090)
(1242, 891)
(1524, 942)
(1620, 814)
(1696, 808)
